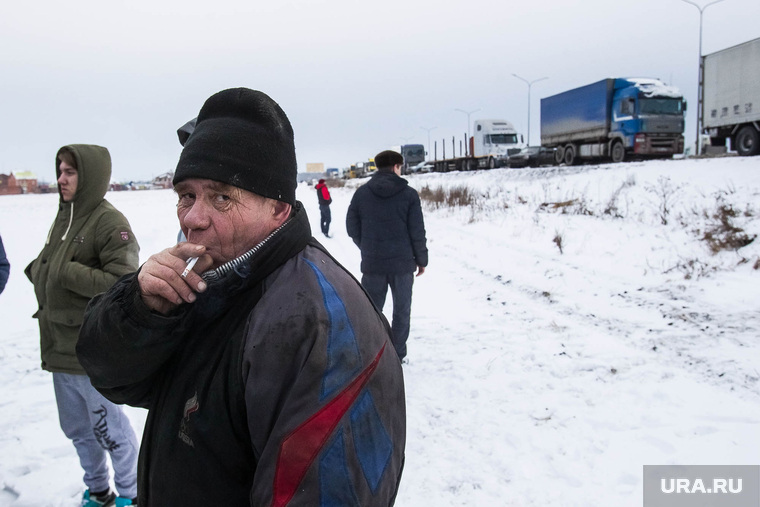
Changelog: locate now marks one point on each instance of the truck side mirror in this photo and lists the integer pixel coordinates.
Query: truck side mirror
(522, 139)
(684, 106)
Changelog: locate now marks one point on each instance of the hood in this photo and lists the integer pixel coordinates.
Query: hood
(386, 185)
(93, 176)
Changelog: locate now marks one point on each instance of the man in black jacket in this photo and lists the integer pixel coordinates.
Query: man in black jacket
(268, 374)
(385, 221)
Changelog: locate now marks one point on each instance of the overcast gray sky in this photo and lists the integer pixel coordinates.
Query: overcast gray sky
(354, 77)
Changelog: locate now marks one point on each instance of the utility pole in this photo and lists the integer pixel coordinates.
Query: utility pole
(700, 76)
(530, 83)
(428, 133)
(468, 113)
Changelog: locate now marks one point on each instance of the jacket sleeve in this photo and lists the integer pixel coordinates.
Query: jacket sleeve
(324, 397)
(416, 227)
(5, 267)
(353, 222)
(117, 251)
(123, 345)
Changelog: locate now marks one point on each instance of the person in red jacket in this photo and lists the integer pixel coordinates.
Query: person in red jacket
(323, 194)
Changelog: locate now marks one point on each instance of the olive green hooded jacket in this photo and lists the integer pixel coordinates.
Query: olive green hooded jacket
(88, 248)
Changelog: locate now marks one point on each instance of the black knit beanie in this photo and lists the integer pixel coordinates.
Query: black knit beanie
(243, 138)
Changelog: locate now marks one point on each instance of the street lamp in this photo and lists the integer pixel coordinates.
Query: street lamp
(530, 83)
(428, 133)
(468, 113)
(701, 72)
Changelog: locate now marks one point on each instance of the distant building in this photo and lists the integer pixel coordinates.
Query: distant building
(27, 180)
(163, 180)
(9, 185)
(315, 167)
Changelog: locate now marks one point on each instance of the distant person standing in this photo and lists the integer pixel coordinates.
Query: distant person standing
(89, 246)
(385, 221)
(5, 267)
(323, 195)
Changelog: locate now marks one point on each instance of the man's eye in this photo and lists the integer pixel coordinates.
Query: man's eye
(222, 198)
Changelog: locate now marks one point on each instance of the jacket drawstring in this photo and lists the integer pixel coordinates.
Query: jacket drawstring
(71, 219)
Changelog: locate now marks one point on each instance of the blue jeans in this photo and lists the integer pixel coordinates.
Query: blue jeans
(401, 292)
(96, 426)
(325, 218)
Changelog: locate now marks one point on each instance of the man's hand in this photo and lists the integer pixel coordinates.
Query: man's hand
(420, 270)
(162, 285)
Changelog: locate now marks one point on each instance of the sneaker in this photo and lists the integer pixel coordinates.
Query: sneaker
(121, 501)
(103, 500)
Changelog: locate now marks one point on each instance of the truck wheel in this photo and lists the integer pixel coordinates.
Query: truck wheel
(491, 163)
(617, 152)
(559, 155)
(748, 141)
(569, 154)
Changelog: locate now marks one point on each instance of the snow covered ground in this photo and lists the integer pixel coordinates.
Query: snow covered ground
(538, 376)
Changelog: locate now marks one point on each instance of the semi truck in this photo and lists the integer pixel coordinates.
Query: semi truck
(731, 97)
(413, 154)
(490, 146)
(615, 119)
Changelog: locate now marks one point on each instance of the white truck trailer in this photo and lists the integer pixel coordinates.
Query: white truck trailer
(491, 144)
(731, 97)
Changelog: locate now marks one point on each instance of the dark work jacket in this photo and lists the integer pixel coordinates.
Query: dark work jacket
(278, 386)
(385, 221)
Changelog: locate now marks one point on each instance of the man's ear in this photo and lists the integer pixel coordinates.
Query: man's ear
(281, 212)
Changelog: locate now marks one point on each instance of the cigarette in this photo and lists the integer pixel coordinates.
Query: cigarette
(190, 263)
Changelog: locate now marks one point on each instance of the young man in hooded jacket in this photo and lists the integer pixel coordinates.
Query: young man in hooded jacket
(89, 246)
(385, 221)
(268, 375)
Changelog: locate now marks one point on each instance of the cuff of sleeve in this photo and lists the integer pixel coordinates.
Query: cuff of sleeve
(133, 305)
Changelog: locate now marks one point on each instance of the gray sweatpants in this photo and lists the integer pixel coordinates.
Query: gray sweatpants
(96, 425)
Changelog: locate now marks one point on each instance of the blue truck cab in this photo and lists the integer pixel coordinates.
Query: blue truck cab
(616, 118)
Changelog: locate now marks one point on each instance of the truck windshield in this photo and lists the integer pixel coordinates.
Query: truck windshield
(502, 139)
(415, 153)
(661, 106)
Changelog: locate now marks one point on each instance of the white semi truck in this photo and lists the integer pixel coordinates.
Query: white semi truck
(491, 144)
(731, 97)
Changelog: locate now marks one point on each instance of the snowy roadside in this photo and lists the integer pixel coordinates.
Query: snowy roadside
(536, 377)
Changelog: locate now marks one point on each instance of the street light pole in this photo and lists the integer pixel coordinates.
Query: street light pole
(428, 133)
(530, 83)
(700, 75)
(468, 113)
